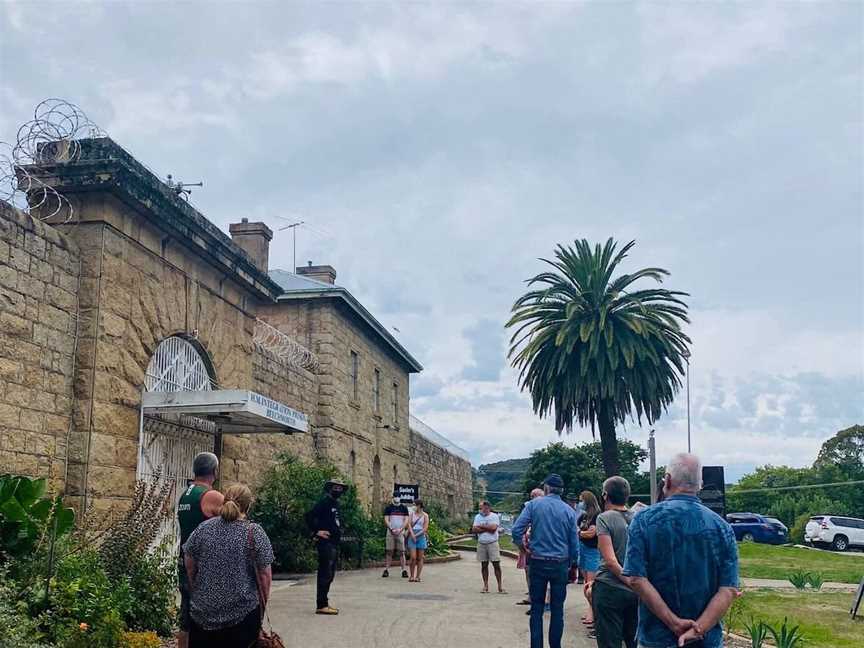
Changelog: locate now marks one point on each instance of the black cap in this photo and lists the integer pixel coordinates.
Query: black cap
(554, 481)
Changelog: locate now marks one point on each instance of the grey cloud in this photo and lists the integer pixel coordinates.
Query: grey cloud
(487, 350)
(447, 148)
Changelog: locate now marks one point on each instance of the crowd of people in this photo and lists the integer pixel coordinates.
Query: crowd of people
(659, 577)
(656, 577)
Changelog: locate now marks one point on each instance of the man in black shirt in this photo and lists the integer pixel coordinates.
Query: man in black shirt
(325, 524)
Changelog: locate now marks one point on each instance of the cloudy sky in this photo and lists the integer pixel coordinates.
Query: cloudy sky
(438, 151)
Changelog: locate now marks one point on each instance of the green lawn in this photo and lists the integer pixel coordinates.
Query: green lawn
(823, 617)
(769, 561)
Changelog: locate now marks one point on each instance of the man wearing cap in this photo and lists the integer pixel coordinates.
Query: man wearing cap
(198, 502)
(554, 546)
(326, 526)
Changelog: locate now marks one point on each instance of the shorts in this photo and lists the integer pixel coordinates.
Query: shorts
(589, 559)
(395, 542)
(421, 544)
(489, 551)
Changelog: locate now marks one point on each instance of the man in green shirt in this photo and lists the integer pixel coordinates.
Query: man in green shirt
(198, 502)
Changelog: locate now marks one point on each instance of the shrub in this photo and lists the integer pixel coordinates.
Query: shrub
(799, 579)
(815, 580)
(757, 631)
(146, 594)
(81, 610)
(16, 627)
(289, 489)
(796, 533)
(27, 517)
(141, 640)
(786, 637)
(437, 540)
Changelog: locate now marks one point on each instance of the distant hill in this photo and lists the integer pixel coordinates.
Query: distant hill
(503, 477)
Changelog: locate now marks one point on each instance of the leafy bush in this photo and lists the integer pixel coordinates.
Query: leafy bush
(786, 637)
(799, 578)
(288, 490)
(757, 631)
(437, 540)
(17, 628)
(796, 533)
(81, 609)
(815, 580)
(141, 640)
(146, 594)
(27, 517)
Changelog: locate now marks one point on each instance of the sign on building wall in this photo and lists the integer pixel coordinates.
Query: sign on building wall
(406, 493)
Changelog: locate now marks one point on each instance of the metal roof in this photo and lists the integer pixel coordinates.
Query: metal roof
(298, 287)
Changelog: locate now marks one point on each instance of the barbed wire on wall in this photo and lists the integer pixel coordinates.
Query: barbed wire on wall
(274, 343)
(53, 136)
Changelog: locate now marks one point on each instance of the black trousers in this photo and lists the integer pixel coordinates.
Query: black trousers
(328, 552)
(615, 615)
(241, 635)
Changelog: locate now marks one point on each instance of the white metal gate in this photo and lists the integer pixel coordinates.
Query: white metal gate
(168, 444)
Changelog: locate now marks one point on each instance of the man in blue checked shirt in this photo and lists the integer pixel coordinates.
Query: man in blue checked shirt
(553, 547)
(682, 561)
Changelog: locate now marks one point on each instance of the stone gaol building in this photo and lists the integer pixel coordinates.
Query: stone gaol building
(137, 333)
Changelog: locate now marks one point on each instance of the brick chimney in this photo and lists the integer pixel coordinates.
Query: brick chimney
(323, 273)
(254, 239)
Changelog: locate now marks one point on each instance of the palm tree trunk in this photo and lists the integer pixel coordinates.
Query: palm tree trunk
(608, 440)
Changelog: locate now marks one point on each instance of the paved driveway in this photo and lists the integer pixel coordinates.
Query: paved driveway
(445, 610)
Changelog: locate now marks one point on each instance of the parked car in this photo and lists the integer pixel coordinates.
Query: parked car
(752, 527)
(834, 531)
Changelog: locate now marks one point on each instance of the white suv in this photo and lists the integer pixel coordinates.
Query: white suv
(838, 532)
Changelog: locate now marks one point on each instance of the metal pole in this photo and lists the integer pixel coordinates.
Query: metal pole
(294, 267)
(688, 405)
(652, 463)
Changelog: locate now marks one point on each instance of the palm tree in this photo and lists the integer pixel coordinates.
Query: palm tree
(591, 348)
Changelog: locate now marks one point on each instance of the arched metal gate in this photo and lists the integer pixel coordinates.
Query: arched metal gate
(168, 442)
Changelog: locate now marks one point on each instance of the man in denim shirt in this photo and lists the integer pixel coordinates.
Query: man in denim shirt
(554, 546)
(682, 561)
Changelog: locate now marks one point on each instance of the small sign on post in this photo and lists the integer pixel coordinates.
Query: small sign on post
(406, 493)
(858, 596)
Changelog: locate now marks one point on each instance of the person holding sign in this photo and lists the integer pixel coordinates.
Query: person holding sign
(396, 521)
(486, 525)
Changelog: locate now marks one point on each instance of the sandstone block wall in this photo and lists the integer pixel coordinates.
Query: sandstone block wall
(39, 270)
(444, 478)
(369, 445)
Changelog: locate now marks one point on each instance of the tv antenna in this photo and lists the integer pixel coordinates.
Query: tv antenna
(293, 227)
(180, 188)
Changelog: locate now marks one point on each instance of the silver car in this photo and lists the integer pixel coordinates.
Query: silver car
(835, 531)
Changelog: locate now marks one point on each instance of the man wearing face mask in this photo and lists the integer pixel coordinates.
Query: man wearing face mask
(326, 526)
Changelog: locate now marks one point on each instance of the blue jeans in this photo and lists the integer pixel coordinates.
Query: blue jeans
(554, 574)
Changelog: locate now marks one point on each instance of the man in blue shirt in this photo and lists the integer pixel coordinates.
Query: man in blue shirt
(682, 561)
(553, 546)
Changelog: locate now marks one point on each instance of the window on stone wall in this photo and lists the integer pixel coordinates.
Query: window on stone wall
(376, 391)
(395, 403)
(355, 373)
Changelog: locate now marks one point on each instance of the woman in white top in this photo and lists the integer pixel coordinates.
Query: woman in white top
(418, 541)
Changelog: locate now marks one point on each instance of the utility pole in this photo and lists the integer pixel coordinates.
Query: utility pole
(652, 465)
(293, 227)
(687, 360)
